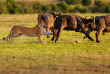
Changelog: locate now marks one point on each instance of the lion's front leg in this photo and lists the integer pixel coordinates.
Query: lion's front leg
(47, 29)
(47, 33)
(40, 39)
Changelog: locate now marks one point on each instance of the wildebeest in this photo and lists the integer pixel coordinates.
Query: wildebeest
(36, 31)
(99, 24)
(49, 19)
(69, 22)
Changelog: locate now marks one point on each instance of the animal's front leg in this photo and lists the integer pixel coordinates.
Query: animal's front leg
(54, 34)
(88, 31)
(47, 33)
(87, 35)
(40, 39)
(58, 33)
(47, 29)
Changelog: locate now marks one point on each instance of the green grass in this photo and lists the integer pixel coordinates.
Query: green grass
(27, 55)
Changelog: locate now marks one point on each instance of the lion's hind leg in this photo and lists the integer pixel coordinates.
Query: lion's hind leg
(13, 33)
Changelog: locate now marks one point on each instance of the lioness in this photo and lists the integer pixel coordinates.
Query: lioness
(38, 30)
(49, 18)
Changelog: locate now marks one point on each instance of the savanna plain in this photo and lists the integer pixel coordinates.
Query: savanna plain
(26, 55)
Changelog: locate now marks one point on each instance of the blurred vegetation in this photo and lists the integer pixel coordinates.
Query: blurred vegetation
(63, 6)
(86, 2)
(66, 6)
(72, 1)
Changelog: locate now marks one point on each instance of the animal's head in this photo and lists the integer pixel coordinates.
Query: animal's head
(57, 15)
(92, 19)
(42, 20)
(86, 20)
(54, 12)
(89, 21)
(92, 22)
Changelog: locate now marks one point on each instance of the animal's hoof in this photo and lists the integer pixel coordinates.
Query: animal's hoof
(55, 41)
(48, 36)
(92, 40)
(98, 41)
(8, 40)
(4, 39)
(52, 39)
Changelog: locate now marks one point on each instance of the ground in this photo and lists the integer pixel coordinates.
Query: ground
(27, 55)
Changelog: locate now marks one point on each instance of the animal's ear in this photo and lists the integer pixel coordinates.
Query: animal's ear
(53, 8)
(58, 14)
(93, 18)
(38, 16)
(42, 15)
(86, 17)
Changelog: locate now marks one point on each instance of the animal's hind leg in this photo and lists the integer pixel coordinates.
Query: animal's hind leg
(8, 37)
(107, 29)
(12, 35)
(97, 35)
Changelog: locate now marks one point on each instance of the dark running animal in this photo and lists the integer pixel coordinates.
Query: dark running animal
(99, 24)
(69, 22)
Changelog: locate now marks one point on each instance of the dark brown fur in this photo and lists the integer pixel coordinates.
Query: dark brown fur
(82, 24)
(101, 24)
(68, 22)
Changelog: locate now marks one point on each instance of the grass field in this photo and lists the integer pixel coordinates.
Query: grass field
(25, 55)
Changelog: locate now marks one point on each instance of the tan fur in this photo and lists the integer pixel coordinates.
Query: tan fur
(48, 19)
(38, 30)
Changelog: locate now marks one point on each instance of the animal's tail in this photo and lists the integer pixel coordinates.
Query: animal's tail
(9, 34)
(12, 29)
(4, 39)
